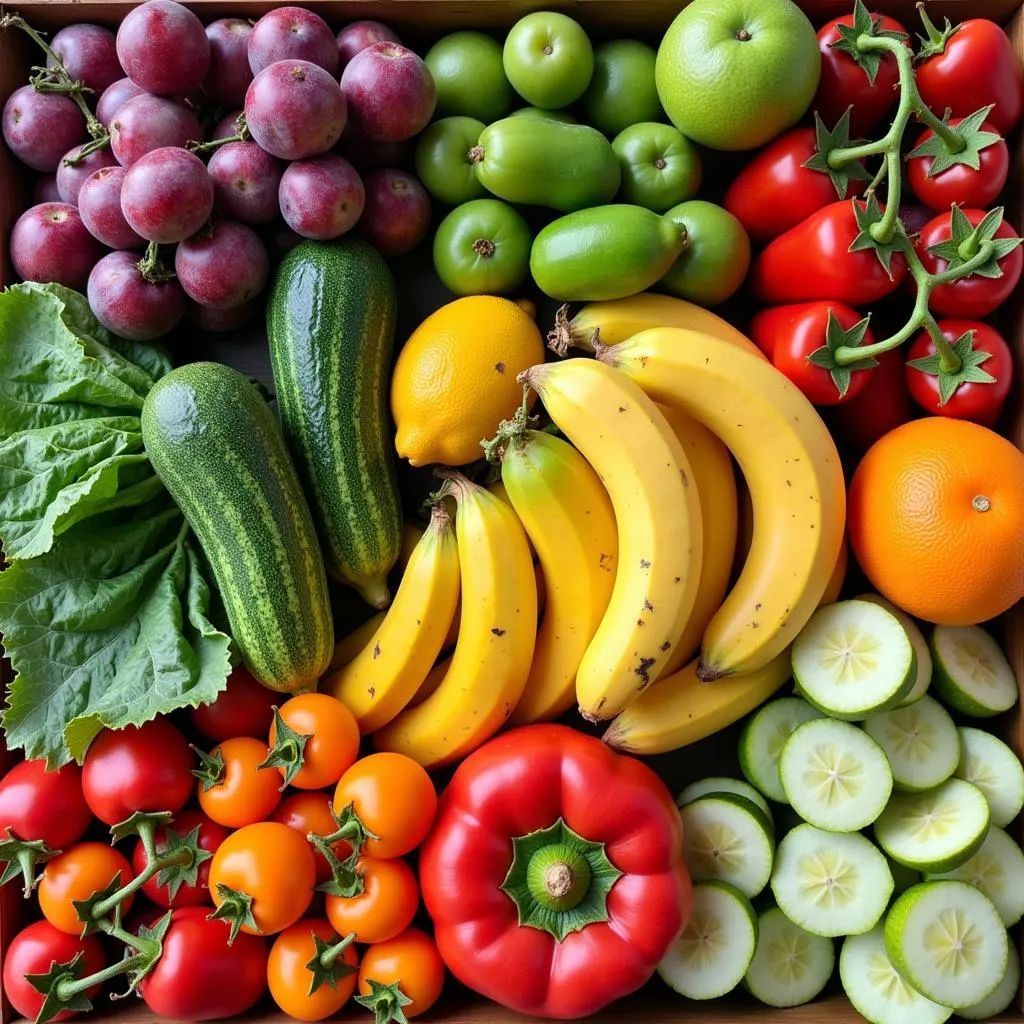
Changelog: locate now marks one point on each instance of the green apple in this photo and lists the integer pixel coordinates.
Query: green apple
(660, 165)
(444, 159)
(732, 74)
(549, 115)
(470, 77)
(548, 59)
(622, 91)
(715, 257)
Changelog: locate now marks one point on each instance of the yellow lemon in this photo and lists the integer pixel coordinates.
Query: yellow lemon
(455, 378)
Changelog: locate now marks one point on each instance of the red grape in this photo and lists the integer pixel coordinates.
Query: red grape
(229, 75)
(99, 203)
(40, 127)
(396, 215)
(127, 304)
(89, 55)
(46, 190)
(361, 34)
(163, 48)
(150, 122)
(322, 197)
(206, 318)
(71, 176)
(223, 267)
(295, 109)
(114, 97)
(245, 182)
(226, 127)
(292, 33)
(50, 243)
(167, 195)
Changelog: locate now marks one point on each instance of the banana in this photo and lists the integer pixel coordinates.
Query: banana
(791, 466)
(496, 637)
(647, 475)
(835, 583)
(411, 533)
(716, 488)
(434, 679)
(346, 649)
(568, 515)
(608, 323)
(386, 674)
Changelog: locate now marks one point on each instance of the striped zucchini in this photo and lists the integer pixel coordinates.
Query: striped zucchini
(331, 327)
(216, 446)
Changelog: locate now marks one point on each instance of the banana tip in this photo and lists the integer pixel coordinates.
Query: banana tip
(708, 673)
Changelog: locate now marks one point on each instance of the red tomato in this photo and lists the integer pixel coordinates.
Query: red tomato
(290, 980)
(138, 768)
(311, 812)
(332, 740)
(409, 963)
(37, 804)
(973, 400)
(843, 81)
(75, 875)
(201, 977)
(244, 708)
(973, 67)
(32, 951)
(385, 907)
(211, 835)
(960, 184)
(974, 296)
(242, 793)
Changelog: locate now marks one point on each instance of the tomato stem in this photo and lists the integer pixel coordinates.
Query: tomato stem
(288, 752)
(949, 361)
(21, 857)
(328, 957)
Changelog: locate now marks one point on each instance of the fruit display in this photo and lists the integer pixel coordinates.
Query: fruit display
(517, 515)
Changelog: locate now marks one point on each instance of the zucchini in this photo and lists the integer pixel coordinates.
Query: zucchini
(215, 444)
(331, 327)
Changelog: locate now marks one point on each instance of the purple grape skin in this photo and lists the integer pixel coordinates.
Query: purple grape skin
(321, 198)
(46, 191)
(167, 195)
(40, 127)
(70, 178)
(245, 182)
(114, 97)
(148, 122)
(230, 74)
(222, 268)
(292, 33)
(89, 54)
(163, 48)
(226, 127)
(129, 305)
(361, 34)
(49, 242)
(99, 203)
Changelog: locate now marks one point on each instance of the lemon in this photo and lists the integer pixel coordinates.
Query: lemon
(455, 378)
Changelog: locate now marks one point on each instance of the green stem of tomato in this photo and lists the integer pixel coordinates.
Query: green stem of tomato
(949, 361)
(154, 865)
(329, 956)
(68, 988)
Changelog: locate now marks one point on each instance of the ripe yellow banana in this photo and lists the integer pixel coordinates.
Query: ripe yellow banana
(569, 518)
(434, 679)
(793, 471)
(496, 637)
(346, 649)
(386, 674)
(716, 488)
(411, 533)
(647, 475)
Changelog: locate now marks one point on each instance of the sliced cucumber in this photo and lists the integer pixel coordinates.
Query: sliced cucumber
(712, 955)
(972, 674)
(835, 775)
(728, 839)
(1003, 994)
(936, 830)
(791, 966)
(722, 784)
(988, 763)
(854, 659)
(997, 869)
(920, 741)
(876, 989)
(947, 940)
(921, 651)
(763, 738)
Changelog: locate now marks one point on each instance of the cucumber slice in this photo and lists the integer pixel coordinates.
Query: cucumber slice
(835, 775)
(1003, 994)
(712, 955)
(728, 839)
(921, 651)
(876, 989)
(988, 763)
(853, 659)
(972, 674)
(997, 869)
(936, 830)
(763, 738)
(831, 883)
(947, 940)
(722, 784)
(920, 741)
(791, 966)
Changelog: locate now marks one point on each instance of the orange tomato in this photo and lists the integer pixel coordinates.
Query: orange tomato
(331, 739)
(311, 812)
(409, 963)
(243, 793)
(394, 798)
(385, 907)
(76, 874)
(936, 520)
(290, 979)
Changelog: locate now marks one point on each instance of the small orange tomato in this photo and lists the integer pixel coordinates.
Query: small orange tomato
(76, 874)
(233, 790)
(394, 798)
(306, 994)
(385, 907)
(311, 812)
(319, 741)
(409, 966)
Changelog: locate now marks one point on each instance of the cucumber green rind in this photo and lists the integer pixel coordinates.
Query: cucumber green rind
(1003, 689)
(331, 326)
(215, 444)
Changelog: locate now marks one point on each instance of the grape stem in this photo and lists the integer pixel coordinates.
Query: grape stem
(152, 267)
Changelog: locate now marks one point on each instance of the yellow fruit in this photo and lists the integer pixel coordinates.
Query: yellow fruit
(346, 649)
(455, 378)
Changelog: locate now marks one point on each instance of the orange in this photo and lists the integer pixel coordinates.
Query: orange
(936, 520)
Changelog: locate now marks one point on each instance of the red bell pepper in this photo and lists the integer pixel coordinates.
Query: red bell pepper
(554, 873)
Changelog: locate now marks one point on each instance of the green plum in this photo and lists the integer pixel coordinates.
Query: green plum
(660, 166)
(548, 59)
(470, 77)
(715, 256)
(444, 159)
(622, 91)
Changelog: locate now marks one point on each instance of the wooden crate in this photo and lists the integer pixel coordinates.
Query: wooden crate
(421, 21)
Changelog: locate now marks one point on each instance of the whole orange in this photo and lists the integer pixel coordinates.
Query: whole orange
(936, 520)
